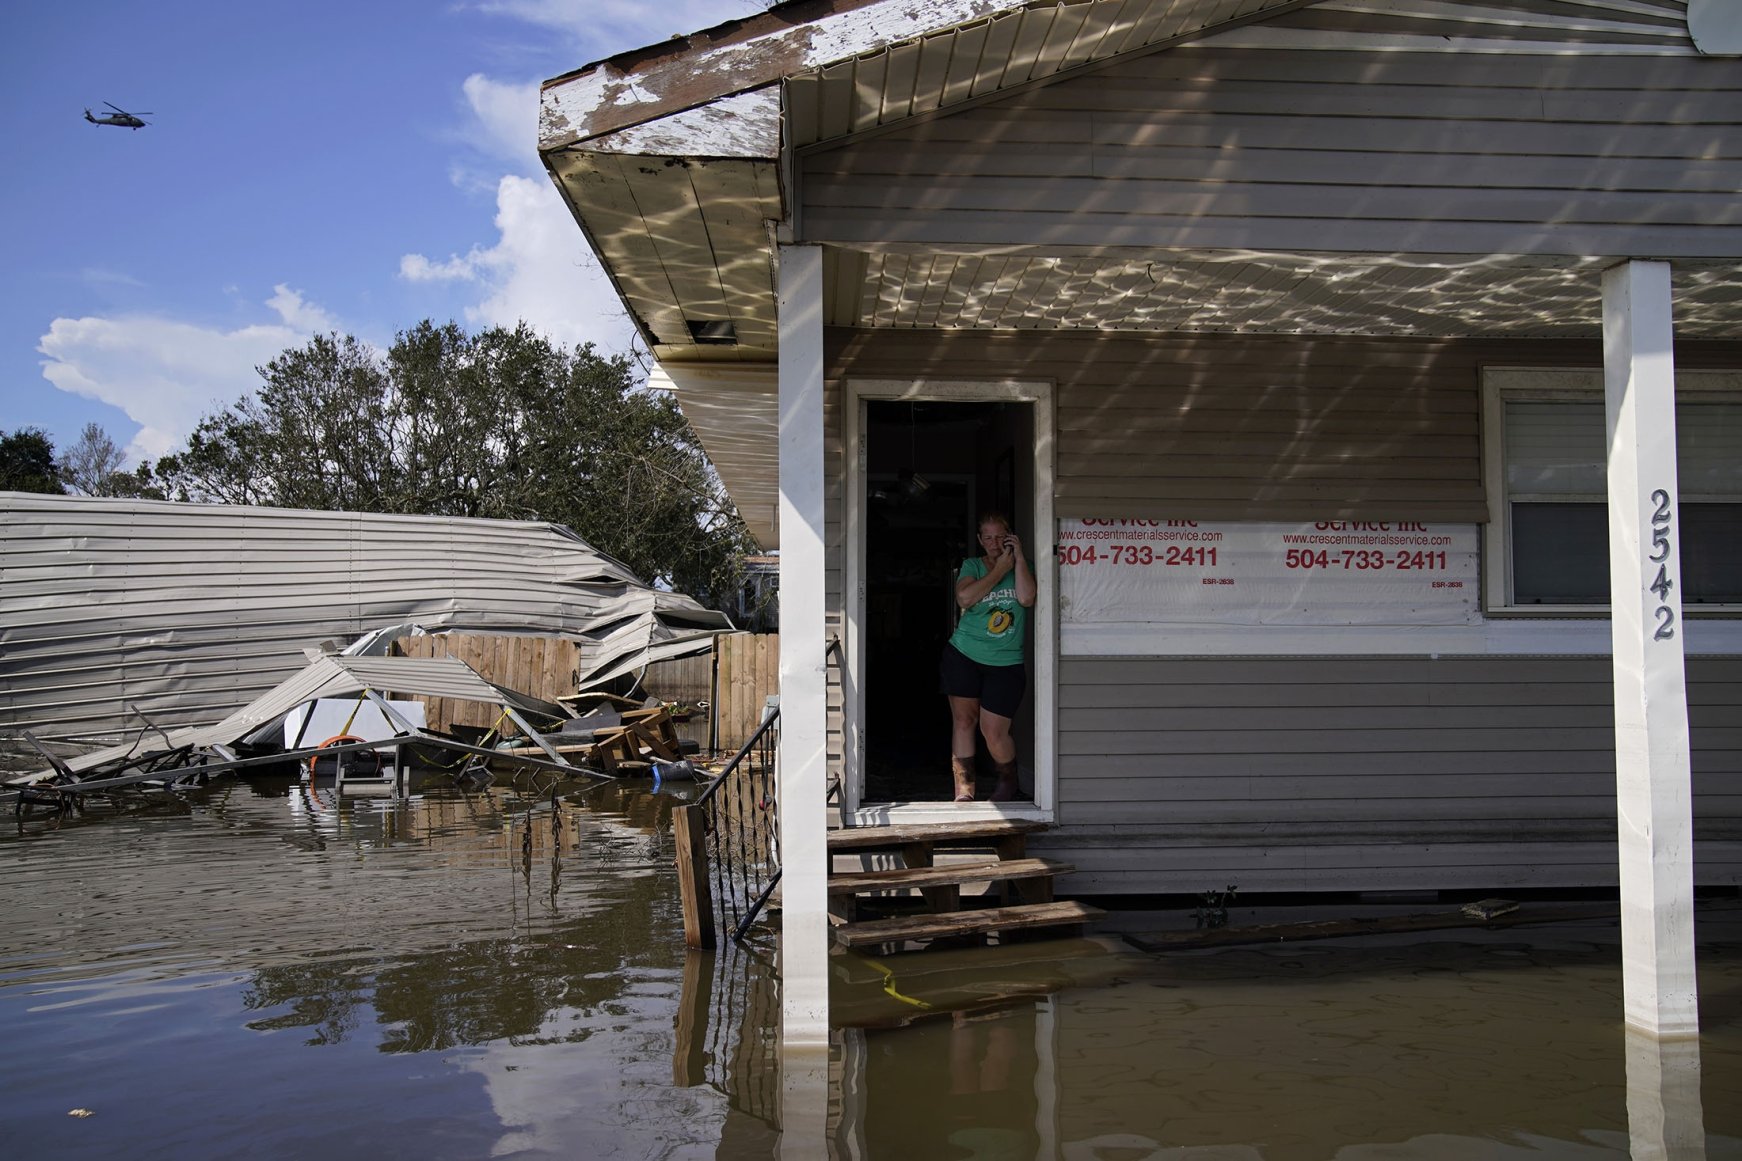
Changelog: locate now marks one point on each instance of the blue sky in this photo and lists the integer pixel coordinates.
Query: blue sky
(309, 166)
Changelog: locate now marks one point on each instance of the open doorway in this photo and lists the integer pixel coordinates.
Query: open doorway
(930, 467)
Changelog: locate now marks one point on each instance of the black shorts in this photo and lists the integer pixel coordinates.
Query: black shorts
(998, 688)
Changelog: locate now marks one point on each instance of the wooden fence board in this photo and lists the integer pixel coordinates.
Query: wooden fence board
(749, 673)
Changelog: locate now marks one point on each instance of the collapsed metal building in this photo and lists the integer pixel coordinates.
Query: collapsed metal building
(113, 611)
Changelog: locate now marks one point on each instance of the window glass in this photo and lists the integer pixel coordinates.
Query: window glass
(1711, 553)
(1556, 449)
(1556, 484)
(1560, 554)
(1708, 448)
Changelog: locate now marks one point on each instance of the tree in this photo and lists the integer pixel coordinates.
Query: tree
(92, 467)
(27, 463)
(90, 461)
(500, 424)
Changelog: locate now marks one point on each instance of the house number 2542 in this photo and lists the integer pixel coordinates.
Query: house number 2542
(1661, 530)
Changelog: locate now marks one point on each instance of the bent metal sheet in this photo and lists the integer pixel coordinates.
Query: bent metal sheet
(1333, 572)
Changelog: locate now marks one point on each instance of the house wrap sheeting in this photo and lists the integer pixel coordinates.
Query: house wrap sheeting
(190, 611)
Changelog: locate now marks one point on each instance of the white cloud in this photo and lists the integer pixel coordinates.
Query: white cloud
(166, 374)
(604, 27)
(460, 268)
(540, 268)
(506, 118)
(540, 271)
(298, 313)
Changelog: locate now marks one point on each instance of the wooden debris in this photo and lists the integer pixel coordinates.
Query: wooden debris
(1000, 919)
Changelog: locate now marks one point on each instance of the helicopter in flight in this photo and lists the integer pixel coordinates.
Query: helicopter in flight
(120, 117)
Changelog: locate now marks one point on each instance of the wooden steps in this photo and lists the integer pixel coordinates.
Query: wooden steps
(906, 928)
(1022, 886)
(872, 838)
(953, 875)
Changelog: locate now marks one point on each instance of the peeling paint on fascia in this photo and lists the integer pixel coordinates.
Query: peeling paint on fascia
(571, 110)
(866, 30)
(744, 126)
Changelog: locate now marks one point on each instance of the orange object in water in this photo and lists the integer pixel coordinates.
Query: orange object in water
(335, 740)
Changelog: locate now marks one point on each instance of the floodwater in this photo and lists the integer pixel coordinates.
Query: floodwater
(259, 972)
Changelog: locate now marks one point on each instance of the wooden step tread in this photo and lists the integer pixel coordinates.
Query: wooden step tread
(979, 871)
(859, 838)
(907, 927)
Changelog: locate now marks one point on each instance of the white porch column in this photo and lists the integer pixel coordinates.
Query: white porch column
(1651, 702)
(803, 758)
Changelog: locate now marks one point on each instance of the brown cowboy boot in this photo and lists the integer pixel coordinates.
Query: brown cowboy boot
(1008, 786)
(962, 769)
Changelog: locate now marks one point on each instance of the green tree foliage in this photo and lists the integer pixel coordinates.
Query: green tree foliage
(27, 463)
(499, 424)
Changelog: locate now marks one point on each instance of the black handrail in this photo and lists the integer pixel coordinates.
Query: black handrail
(742, 829)
(742, 826)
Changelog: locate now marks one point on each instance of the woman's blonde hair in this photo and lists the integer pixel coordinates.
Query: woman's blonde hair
(993, 516)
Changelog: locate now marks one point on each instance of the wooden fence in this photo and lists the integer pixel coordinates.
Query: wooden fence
(687, 680)
(545, 667)
(749, 676)
(749, 672)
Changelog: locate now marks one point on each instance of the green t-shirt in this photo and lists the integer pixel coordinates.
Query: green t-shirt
(991, 631)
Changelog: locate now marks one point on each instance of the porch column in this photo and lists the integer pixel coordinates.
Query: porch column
(803, 757)
(1652, 770)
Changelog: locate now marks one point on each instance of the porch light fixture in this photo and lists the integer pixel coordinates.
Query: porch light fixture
(713, 333)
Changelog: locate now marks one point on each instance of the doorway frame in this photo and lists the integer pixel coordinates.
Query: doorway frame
(1042, 539)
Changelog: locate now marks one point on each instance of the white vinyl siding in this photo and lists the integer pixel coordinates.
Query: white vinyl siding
(1316, 774)
(1309, 150)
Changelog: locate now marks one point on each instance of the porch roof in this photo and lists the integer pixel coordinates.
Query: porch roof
(671, 160)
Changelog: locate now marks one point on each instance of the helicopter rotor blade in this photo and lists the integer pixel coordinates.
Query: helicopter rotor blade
(114, 106)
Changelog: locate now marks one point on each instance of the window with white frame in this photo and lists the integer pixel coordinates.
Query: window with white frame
(1547, 543)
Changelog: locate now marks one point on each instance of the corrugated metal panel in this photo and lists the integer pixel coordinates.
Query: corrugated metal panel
(1292, 775)
(187, 611)
(327, 676)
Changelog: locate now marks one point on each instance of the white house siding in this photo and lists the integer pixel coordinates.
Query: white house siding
(1366, 773)
(1248, 427)
(1314, 773)
(1305, 149)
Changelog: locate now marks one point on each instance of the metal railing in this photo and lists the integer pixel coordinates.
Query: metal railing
(729, 838)
(740, 830)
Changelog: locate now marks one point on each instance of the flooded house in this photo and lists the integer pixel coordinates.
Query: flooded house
(1365, 381)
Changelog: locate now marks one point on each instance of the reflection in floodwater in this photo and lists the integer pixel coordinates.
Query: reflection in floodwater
(270, 972)
(1663, 1098)
(1472, 1045)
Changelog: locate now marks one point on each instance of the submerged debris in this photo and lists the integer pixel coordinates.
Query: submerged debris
(253, 738)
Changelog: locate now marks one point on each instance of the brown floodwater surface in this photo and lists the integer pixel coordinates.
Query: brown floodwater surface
(262, 972)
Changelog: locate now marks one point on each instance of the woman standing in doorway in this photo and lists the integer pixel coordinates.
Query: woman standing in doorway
(982, 669)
